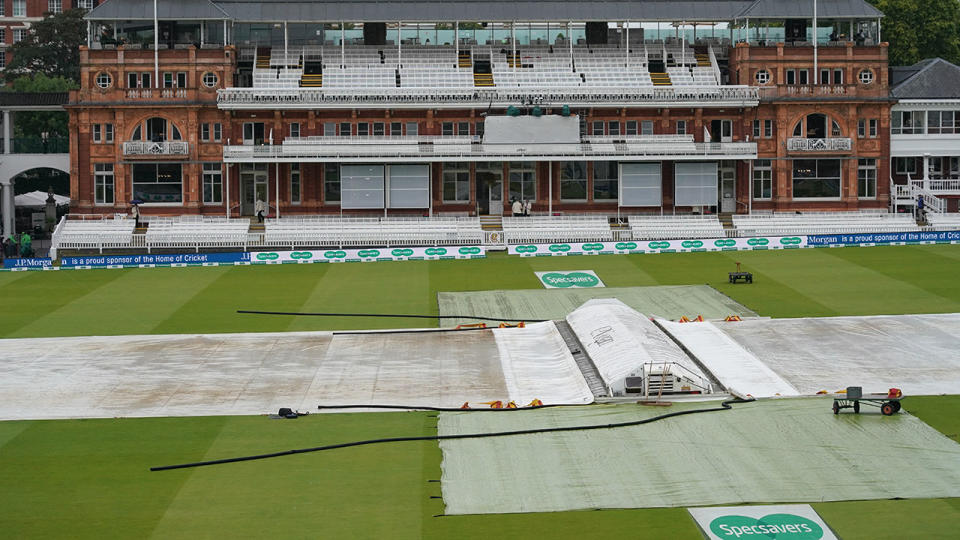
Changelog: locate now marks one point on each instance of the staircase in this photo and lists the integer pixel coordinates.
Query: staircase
(491, 222)
(311, 80)
(660, 79)
(703, 60)
(464, 60)
(726, 219)
(483, 80)
(514, 61)
(263, 58)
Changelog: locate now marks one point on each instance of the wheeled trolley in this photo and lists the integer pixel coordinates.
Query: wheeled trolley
(888, 403)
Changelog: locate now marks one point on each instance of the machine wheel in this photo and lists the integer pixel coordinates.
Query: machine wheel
(836, 408)
(887, 408)
(896, 406)
(856, 407)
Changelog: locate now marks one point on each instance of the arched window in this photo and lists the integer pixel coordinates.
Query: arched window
(156, 130)
(814, 126)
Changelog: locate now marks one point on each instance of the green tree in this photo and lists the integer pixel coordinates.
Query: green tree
(918, 29)
(51, 47)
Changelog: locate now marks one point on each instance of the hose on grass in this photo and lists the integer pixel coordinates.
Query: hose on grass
(725, 405)
(441, 409)
(388, 315)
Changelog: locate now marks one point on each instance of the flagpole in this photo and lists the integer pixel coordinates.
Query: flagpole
(816, 71)
(156, 47)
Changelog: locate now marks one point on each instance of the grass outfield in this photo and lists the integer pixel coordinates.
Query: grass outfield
(813, 282)
(89, 478)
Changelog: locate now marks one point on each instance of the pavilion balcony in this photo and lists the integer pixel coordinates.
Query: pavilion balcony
(467, 149)
(147, 149)
(834, 144)
(420, 98)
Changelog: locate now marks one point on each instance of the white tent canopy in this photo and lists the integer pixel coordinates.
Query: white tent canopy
(38, 199)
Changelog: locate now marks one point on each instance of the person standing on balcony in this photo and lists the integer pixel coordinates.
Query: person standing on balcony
(527, 206)
(135, 212)
(517, 207)
(260, 207)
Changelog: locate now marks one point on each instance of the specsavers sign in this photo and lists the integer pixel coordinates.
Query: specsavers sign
(782, 522)
(366, 255)
(570, 279)
(658, 246)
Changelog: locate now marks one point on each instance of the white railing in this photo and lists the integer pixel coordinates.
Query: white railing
(146, 148)
(940, 186)
(835, 144)
(486, 152)
(378, 97)
(714, 65)
(155, 93)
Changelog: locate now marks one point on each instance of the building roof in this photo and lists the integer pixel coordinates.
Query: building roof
(934, 78)
(803, 9)
(29, 99)
(479, 10)
(132, 10)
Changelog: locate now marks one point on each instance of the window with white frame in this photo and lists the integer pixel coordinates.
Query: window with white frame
(597, 128)
(523, 180)
(295, 186)
(463, 128)
(396, 129)
(217, 131)
(861, 127)
(363, 129)
(19, 8)
(646, 127)
(55, 6)
(446, 128)
(104, 80)
(768, 128)
(872, 132)
(97, 133)
(3, 31)
(573, 180)
(762, 179)
(378, 129)
(331, 183)
(103, 183)
(295, 130)
(865, 76)
(867, 178)
(209, 79)
(908, 122)
(329, 129)
(605, 180)
(456, 182)
(631, 127)
(816, 178)
(19, 34)
(205, 132)
(613, 128)
(3, 59)
(108, 133)
(412, 129)
(757, 129)
(945, 122)
(3, 9)
(212, 183)
(762, 76)
(905, 165)
(681, 127)
(85, 4)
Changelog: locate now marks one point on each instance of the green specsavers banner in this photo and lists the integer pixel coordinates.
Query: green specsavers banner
(369, 254)
(781, 522)
(570, 279)
(658, 246)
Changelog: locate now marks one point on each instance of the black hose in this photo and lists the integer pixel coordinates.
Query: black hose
(441, 409)
(390, 315)
(725, 405)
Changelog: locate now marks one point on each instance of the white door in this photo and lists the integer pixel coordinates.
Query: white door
(496, 198)
(728, 188)
(253, 186)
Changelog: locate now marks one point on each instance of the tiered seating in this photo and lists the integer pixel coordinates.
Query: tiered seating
(197, 231)
(94, 233)
(822, 223)
(435, 76)
(369, 76)
(672, 227)
(944, 222)
(538, 229)
(321, 231)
